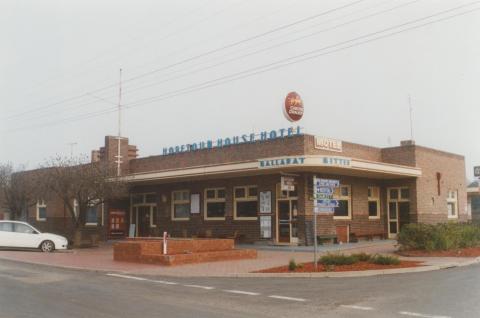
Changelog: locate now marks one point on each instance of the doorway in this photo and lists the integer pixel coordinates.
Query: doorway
(144, 216)
(398, 210)
(287, 212)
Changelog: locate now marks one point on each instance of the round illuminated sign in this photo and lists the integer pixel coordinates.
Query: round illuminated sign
(293, 108)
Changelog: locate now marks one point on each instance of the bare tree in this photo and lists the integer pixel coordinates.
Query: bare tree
(89, 184)
(18, 190)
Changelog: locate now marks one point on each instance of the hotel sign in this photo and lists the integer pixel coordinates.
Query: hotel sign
(328, 144)
(293, 107)
(235, 140)
(336, 161)
(281, 162)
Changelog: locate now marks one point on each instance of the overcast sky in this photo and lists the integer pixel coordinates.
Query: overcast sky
(202, 69)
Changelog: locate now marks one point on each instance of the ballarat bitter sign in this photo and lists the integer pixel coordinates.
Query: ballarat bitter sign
(293, 107)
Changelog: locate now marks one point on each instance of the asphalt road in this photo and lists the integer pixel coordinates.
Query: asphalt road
(37, 291)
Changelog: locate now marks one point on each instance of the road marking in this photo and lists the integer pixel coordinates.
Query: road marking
(127, 276)
(200, 286)
(357, 307)
(416, 314)
(233, 291)
(287, 298)
(164, 282)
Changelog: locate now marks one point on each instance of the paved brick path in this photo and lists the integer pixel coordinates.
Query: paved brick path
(101, 259)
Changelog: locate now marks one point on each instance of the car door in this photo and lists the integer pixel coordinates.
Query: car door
(6, 234)
(25, 236)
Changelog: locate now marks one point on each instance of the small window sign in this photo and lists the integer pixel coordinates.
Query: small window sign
(195, 203)
(266, 202)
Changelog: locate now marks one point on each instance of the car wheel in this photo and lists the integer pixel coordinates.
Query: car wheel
(47, 246)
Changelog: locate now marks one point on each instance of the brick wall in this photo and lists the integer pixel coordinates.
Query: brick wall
(431, 206)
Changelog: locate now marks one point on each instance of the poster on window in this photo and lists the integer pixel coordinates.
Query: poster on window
(265, 226)
(266, 202)
(195, 203)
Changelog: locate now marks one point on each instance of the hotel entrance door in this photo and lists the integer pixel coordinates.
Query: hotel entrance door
(287, 221)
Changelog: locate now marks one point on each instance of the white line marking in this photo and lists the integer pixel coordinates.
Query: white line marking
(357, 307)
(199, 286)
(287, 298)
(126, 276)
(164, 282)
(241, 292)
(416, 314)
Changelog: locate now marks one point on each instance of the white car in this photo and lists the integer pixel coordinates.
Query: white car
(15, 234)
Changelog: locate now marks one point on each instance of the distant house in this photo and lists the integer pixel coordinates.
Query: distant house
(473, 200)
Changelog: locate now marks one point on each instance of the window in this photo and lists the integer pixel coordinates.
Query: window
(180, 205)
(6, 227)
(22, 228)
(215, 204)
(452, 204)
(153, 216)
(373, 202)
(245, 203)
(92, 215)
(140, 198)
(343, 195)
(41, 210)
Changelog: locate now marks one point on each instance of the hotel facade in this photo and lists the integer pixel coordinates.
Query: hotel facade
(260, 188)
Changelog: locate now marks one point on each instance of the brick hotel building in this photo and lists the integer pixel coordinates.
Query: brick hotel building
(232, 188)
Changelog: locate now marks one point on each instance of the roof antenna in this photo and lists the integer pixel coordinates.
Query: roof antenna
(119, 156)
(411, 120)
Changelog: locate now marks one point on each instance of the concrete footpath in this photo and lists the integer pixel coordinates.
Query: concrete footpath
(101, 259)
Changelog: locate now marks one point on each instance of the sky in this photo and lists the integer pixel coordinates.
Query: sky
(200, 69)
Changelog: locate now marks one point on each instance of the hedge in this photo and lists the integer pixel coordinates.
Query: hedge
(439, 237)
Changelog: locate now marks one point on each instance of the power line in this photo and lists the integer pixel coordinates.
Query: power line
(273, 66)
(252, 53)
(285, 26)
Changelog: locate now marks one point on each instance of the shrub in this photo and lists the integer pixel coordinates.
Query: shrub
(362, 257)
(338, 259)
(292, 265)
(445, 236)
(384, 260)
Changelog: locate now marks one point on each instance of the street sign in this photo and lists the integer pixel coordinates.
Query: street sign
(327, 183)
(323, 196)
(325, 190)
(327, 203)
(476, 171)
(323, 203)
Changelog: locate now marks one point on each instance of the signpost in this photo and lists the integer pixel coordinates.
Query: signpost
(323, 190)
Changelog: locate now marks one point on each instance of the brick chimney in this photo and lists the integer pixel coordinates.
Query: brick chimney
(110, 152)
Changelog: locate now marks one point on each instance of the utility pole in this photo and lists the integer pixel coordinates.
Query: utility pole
(71, 144)
(411, 120)
(119, 156)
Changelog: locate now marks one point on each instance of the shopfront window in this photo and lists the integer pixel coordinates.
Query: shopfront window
(373, 202)
(41, 210)
(452, 204)
(343, 195)
(92, 215)
(215, 205)
(245, 203)
(180, 205)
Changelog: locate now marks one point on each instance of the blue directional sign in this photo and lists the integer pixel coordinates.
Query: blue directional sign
(327, 183)
(327, 203)
(323, 195)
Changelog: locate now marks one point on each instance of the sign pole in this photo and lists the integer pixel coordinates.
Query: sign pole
(315, 224)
